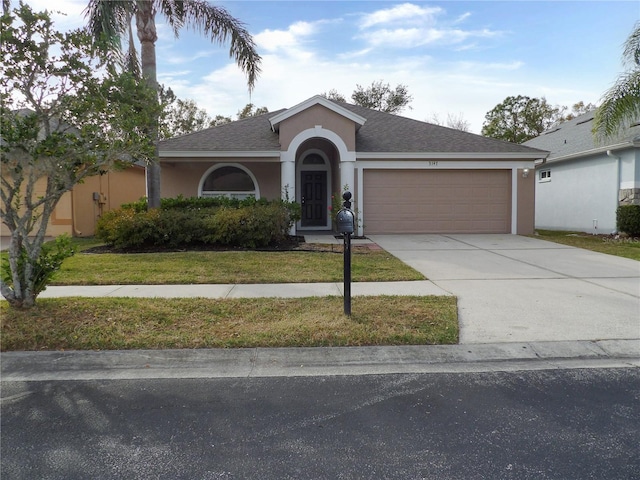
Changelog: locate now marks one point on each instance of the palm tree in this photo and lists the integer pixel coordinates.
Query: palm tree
(113, 19)
(620, 106)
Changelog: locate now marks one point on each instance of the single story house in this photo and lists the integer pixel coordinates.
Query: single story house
(406, 176)
(582, 183)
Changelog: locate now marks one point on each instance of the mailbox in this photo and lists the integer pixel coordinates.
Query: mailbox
(345, 221)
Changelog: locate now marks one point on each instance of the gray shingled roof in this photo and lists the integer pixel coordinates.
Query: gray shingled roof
(382, 132)
(575, 136)
(251, 134)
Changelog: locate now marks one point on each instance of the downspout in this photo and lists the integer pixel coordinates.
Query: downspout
(618, 178)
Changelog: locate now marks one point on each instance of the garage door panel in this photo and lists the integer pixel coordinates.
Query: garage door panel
(437, 201)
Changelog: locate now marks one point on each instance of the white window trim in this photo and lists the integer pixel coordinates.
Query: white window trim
(233, 194)
(545, 179)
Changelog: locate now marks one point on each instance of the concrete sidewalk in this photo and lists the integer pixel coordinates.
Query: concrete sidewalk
(283, 290)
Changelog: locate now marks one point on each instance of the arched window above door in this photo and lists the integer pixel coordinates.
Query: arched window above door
(233, 181)
(313, 159)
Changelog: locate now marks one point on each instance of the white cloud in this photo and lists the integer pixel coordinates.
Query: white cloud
(181, 59)
(407, 12)
(66, 14)
(410, 26)
(292, 38)
(462, 18)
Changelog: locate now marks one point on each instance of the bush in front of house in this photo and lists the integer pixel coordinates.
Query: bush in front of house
(628, 219)
(245, 223)
(196, 203)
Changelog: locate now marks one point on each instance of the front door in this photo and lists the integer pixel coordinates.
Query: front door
(313, 199)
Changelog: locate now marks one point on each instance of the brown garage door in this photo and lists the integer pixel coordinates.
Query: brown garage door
(437, 201)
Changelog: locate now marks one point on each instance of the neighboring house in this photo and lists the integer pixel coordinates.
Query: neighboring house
(406, 176)
(582, 183)
(78, 210)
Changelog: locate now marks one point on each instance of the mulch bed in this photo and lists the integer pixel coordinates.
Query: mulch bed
(293, 243)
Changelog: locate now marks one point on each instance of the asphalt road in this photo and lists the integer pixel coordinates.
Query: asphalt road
(560, 424)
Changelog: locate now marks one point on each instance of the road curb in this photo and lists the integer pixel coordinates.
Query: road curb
(316, 361)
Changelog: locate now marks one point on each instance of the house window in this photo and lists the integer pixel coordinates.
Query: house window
(232, 181)
(544, 175)
(313, 159)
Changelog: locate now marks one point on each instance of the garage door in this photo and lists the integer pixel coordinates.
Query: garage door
(437, 201)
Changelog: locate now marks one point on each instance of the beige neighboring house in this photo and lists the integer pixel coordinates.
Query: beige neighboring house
(407, 176)
(78, 210)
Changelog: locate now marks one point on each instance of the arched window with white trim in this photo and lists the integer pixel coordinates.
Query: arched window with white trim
(228, 180)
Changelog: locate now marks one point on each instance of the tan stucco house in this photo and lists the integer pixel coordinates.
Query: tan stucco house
(78, 210)
(407, 176)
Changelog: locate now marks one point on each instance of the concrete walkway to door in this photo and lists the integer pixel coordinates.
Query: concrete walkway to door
(519, 289)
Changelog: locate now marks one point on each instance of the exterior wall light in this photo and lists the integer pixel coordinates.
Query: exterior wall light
(525, 173)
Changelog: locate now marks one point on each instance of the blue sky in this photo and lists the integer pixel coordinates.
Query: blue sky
(458, 58)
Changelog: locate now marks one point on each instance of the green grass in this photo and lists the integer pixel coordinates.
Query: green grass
(226, 267)
(624, 247)
(127, 323)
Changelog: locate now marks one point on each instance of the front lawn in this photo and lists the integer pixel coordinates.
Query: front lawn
(319, 264)
(621, 247)
(134, 323)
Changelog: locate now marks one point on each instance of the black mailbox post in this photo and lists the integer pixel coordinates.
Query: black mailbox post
(345, 222)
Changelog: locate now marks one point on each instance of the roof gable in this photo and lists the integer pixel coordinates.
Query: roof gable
(378, 133)
(574, 138)
(316, 100)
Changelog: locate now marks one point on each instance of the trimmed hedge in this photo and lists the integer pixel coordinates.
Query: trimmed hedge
(246, 223)
(628, 219)
(197, 203)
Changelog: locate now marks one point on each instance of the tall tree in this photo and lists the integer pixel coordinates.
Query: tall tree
(250, 110)
(64, 115)
(180, 117)
(453, 121)
(113, 19)
(380, 96)
(333, 94)
(577, 109)
(521, 118)
(620, 106)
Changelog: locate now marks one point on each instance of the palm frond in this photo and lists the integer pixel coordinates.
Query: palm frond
(220, 26)
(109, 19)
(631, 52)
(620, 107)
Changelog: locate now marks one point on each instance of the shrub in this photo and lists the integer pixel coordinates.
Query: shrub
(126, 228)
(245, 223)
(48, 263)
(628, 219)
(249, 227)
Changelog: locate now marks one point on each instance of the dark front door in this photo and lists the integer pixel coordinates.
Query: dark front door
(314, 199)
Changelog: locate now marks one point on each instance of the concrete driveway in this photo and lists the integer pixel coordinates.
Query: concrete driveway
(520, 289)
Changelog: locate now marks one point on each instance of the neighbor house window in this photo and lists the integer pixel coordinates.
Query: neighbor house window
(229, 181)
(544, 175)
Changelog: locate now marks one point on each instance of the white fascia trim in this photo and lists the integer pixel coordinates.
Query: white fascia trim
(218, 154)
(593, 151)
(449, 155)
(315, 100)
(444, 165)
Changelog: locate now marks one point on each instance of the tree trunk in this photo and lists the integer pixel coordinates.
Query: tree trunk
(146, 27)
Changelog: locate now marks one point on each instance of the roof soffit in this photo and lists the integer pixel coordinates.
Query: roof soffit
(316, 100)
